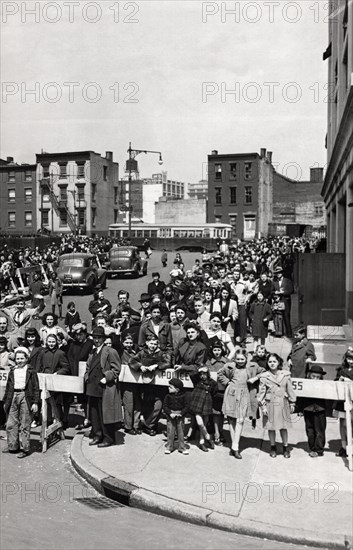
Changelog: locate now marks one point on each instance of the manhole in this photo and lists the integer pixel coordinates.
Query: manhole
(99, 503)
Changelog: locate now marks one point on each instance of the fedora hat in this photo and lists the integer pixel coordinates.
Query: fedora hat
(98, 332)
(145, 297)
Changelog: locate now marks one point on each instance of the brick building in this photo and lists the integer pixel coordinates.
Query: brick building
(77, 192)
(337, 190)
(240, 189)
(18, 212)
(299, 202)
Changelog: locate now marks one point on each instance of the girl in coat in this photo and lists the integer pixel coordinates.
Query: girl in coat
(256, 368)
(216, 362)
(32, 343)
(276, 398)
(260, 315)
(344, 374)
(201, 404)
(236, 403)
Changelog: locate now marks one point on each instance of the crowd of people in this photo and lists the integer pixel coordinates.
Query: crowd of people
(199, 322)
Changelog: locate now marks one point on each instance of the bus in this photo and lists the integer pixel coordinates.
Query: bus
(192, 237)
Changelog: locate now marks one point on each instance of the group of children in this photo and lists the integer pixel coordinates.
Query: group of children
(241, 391)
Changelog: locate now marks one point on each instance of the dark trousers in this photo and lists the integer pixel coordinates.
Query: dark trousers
(315, 425)
(278, 324)
(18, 425)
(240, 330)
(131, 405)
(175, 425)
(152, 407)
(286, 316)
(105, 432)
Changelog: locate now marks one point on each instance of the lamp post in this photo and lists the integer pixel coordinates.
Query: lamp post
(73, 193)
(132, 154)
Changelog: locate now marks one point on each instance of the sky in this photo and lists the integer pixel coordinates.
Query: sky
(183, 77)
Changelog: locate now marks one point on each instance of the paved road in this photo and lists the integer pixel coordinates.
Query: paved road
(45, 504)
(134, 286)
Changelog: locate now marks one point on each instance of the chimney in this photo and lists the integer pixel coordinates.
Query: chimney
(214, 152)
(269, 156)
(316, 175)
(263, 153)
(109, 155)
(9, 159)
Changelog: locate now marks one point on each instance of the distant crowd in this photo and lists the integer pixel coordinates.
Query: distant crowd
(195, 321)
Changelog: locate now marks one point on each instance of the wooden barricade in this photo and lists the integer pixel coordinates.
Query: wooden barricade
(48, 383)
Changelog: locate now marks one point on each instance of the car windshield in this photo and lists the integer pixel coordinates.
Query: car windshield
(125, 253)
(73, 262)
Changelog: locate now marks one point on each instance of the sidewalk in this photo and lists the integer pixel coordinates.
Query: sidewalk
(300, 500)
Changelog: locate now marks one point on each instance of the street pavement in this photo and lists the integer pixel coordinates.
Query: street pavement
(45, 504)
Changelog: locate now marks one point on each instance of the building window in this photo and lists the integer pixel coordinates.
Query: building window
(233, 170)
(28, 175)
(81, 217)
(248, 195)
(94, 192)
(248, 170)
(319, 210)
(233, 195)
(218, 195)
(28, 219)
(45, 197)
(63, 170)
(63, 218)
(63, 193)
(233, 223)
(80, 194)
(11, 219)
(46, 173)
(218, 171)
(45, 217)
(11, 195)
(94, 216)
(116, 216)
(12, 176)
(28, 194)
(105, 173)
(80, 170)
(218, 219)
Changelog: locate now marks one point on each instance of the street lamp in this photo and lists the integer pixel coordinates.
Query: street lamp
(129, 165)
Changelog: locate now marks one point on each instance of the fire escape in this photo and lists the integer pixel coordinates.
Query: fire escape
(57, 205)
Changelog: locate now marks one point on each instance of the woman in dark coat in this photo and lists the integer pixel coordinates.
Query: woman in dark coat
(32, 343)
(260, 315)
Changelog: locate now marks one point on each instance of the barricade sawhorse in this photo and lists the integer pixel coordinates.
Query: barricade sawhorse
(320, 389)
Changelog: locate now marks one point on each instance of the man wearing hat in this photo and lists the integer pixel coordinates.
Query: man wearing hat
(102, 374)
(284, 287)
(145, 301)
(156, 286)
(315, 411)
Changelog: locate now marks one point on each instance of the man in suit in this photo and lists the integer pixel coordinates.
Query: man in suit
(156, 286)
(102, 374)
(284, 287)
(157, 327)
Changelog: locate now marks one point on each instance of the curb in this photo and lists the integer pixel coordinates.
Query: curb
(138, 497)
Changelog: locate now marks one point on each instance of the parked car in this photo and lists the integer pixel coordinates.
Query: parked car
(79, 270)
(126, 259)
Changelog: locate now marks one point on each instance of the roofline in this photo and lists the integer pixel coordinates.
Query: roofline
(233, 155)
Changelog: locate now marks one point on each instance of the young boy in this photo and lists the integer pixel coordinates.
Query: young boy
(301, 354)
(314, 411)
(278, 307)
(21, 399)
(147, 361)
(175, 407)
(72, 317)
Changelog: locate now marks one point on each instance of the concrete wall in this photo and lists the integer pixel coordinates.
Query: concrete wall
(150, 195)
(181, 211)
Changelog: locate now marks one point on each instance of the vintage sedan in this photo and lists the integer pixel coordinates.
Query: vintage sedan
(83, 271)
(126, 260)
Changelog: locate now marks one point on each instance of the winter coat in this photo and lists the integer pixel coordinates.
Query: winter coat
(76, 352)
(175, 402)
(299, 353)
(275, 393)
(236, 402)
(254, 370)
(31, 389)
(191, 356)
(111, 400)
(164, 335)
(51, 362)
(35, 358)
(260, 314)
(201, 401)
